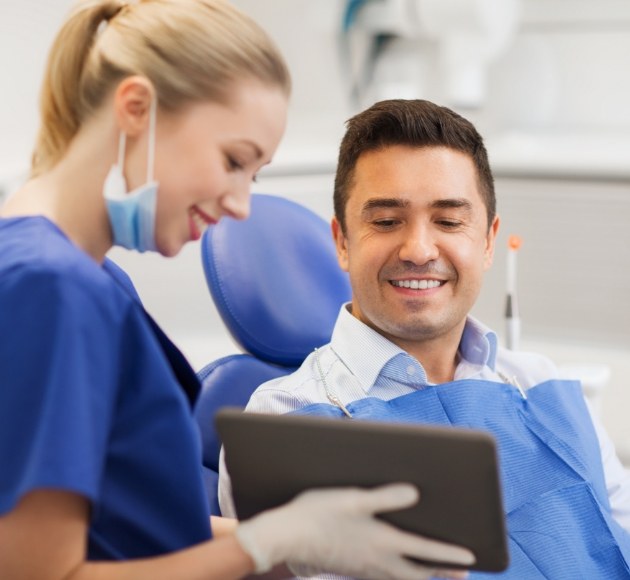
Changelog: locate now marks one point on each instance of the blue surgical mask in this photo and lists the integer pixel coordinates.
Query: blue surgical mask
(132, 214)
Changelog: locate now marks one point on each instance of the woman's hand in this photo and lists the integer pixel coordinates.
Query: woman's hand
(334, 530)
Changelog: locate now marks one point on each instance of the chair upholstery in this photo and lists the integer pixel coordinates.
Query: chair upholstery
(276, 284)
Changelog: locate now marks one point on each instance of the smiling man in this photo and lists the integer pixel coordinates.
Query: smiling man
(416, 239)
(415, 227)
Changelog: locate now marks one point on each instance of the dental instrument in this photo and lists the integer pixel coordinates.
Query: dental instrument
(512, 315)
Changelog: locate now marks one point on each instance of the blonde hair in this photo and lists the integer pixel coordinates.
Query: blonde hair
(191, 50)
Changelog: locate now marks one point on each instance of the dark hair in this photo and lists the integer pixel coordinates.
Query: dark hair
(415, 123)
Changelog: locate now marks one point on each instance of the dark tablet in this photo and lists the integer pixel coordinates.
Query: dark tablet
(272, 458)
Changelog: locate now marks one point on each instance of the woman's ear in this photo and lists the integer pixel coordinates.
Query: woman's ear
(132, 104)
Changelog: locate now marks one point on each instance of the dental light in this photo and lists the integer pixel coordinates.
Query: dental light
(460, 37)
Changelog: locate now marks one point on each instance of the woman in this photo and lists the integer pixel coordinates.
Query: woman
(100, 458)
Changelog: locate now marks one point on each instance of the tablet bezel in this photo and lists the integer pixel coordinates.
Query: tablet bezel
(456, 470)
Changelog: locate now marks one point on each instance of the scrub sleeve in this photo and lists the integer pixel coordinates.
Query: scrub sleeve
(89, 402)
(59, 366)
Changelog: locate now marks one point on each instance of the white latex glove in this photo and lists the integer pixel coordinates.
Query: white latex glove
(335, 530)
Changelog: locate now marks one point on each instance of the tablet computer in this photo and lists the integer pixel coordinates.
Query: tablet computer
(272, 458)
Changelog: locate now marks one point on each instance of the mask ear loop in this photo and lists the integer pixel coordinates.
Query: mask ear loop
(151, 146)
(122, 144)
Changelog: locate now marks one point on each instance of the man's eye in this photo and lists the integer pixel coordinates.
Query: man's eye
(384, 224)
(449, 224)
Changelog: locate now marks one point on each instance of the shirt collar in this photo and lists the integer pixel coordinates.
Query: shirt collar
(365, 352)
(479, 344)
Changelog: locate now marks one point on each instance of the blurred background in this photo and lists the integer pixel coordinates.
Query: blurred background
(547, 82)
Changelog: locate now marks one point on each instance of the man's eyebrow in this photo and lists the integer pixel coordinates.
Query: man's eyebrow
(383, 202)
(453, 203)
(396, 202)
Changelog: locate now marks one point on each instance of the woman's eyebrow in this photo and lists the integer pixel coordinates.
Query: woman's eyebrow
(255, 148)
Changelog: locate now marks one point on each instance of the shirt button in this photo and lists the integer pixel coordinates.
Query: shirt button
(411, 370)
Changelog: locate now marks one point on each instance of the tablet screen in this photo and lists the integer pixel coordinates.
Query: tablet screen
(272, 458)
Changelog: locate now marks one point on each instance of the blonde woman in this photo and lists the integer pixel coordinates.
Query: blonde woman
(155, 118)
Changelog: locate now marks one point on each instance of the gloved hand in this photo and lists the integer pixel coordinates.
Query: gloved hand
(335, 530)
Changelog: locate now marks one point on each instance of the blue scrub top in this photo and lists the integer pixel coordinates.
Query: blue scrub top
(91, 398)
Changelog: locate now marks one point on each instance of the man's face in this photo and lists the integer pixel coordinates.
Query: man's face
(416, 243)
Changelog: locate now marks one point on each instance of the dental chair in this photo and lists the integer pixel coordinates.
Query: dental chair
(276, 284)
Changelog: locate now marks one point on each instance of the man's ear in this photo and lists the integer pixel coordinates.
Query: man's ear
(341, 244)
(132, 104)
(490, 243)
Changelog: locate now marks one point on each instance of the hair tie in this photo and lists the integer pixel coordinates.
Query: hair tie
(110, 11)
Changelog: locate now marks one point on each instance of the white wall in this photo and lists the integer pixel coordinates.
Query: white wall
(27, 28)
(564, 79)
(565, 75)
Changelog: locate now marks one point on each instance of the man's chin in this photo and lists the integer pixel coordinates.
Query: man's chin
(409, 331)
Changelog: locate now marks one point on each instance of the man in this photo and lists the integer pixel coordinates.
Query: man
(415, 227)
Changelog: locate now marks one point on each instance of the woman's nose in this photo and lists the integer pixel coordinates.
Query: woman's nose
(237, 204)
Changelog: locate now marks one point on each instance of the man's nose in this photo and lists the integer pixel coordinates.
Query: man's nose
(418, 246)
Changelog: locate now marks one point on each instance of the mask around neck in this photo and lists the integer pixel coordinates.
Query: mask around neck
(132, 213)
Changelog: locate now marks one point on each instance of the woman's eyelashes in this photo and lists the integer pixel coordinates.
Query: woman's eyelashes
(234, 164)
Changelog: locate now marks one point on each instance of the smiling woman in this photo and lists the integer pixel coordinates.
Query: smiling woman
(207, 159)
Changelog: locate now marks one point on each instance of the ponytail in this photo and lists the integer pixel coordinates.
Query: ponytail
(61, 106)
(190, 50)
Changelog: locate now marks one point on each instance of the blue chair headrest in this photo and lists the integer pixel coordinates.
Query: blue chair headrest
(275, 279)
(228, 382)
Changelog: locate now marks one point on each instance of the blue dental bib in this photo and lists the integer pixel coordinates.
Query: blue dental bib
(556, 503)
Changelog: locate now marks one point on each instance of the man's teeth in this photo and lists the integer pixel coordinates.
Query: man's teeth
(416, 284)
